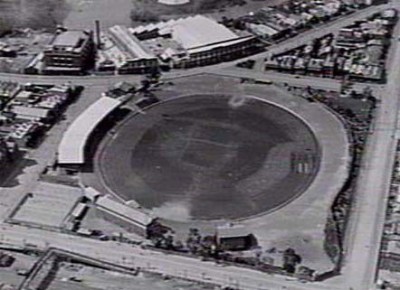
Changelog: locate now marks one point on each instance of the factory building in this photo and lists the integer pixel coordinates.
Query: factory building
(70, 52)
(194, 41)
(181, 43)
(122, 52)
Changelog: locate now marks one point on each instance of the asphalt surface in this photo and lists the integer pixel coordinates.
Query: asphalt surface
(214, 157)
(152, 261)
(367, 221)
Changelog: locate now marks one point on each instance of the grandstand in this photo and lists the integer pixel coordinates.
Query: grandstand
(72, 150)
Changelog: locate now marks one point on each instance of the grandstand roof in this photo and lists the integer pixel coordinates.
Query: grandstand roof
(72, 147)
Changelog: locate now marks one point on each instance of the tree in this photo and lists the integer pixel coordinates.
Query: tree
(193, 240)
(169, 242)
(290, 260)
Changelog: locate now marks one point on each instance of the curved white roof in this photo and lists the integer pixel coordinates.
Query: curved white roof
(72, 147)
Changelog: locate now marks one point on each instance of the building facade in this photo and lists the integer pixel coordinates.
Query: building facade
(123, 53)
(194, 41)
(70, 52)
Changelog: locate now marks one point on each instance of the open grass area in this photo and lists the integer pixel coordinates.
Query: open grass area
(212, 153)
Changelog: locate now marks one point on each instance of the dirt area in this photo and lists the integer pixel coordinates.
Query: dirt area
(49, 205)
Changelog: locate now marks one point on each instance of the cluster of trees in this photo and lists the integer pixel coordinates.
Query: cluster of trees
(206, 246)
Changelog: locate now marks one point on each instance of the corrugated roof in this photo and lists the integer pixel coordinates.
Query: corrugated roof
(71, 148)
(193, 31)
(119, 209)
(199, 30)
(128, 43)
(33, 112)
(223, 44)
(79, 209)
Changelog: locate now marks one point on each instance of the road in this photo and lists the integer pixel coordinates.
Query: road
(367, 220)
(366, 225)
(298, 40)
(135, 256)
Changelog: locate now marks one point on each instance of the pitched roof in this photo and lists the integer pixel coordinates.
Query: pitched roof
(232, 231)
(199, 30)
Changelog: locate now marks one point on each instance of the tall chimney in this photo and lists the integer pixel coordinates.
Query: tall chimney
(97, 23)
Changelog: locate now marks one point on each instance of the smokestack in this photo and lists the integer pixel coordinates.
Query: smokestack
(97, 24)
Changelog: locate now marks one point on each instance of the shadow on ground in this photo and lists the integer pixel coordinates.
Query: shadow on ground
(9, 177)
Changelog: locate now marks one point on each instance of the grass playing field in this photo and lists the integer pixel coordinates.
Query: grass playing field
(215, 160)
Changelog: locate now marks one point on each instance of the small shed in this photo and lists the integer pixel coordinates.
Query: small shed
(234, 237)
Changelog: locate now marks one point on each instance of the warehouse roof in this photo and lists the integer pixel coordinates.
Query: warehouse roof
(199, 30)
(191, 32)
(128, 44)
(72, 146)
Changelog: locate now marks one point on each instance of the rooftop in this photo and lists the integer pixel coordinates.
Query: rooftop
(232, 231)
(69, 38)
(71, 148)
(117, 208)
(128, 45)
(192, 32)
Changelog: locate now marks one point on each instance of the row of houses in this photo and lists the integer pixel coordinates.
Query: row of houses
(27, 111)
(179, 43)
(357, 51)
(390, 248)
(273, 23)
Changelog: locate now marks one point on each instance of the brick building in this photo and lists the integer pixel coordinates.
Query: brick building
(70, 52)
